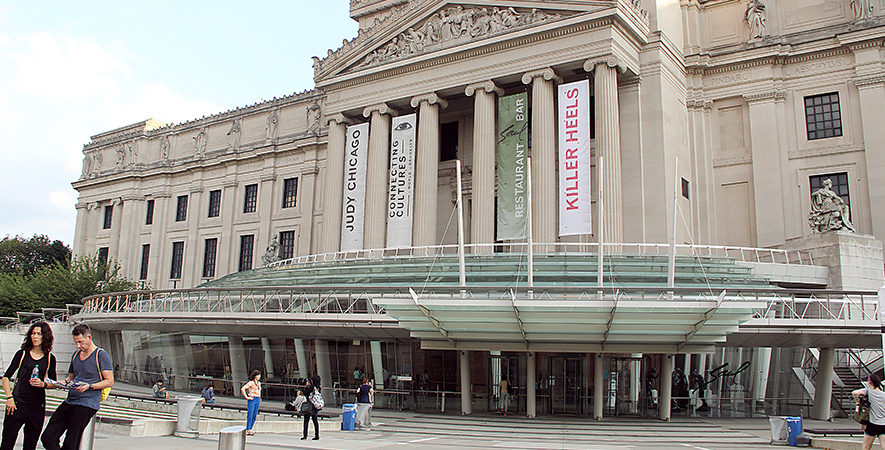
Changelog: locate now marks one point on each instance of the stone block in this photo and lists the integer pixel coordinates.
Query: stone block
(855, 261)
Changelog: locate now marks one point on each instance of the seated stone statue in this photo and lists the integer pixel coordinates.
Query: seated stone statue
(828, 211)
(271, 255)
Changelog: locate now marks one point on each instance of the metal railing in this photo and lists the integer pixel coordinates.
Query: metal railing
(740, 254)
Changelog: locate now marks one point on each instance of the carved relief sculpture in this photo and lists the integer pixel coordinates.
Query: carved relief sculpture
(121, 155)
(87, 167)
(755, 18)
(233, 136)
(863, 9)
(271, 254)
(98, 159)
(271, 126)
(132, 150)
(452, 24)
(164, 147)
(828, 211)
(200, 142)
(314, 111)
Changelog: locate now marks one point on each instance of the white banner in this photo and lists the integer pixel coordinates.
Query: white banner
(402, 182)
(574, 158)
(354, 208)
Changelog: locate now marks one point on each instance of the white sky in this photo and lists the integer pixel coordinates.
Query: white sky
(70, 70)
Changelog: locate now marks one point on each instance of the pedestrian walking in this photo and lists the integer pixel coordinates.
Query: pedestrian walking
(252, 392)
(505, 395)
(876, 426)
(91, 371)
(26, 403)
(365, 400)
(315, 403)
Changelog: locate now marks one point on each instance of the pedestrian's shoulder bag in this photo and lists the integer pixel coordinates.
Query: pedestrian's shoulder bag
(862, 412)
(106, 391)
(316, 399)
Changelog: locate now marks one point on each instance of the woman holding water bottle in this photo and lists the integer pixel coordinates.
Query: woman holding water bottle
(26, 403)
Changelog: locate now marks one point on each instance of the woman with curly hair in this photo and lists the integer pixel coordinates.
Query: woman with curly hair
(26, 403)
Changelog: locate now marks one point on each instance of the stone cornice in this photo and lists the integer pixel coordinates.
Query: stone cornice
(430, 98)
(869, 81)
(230, 183)
(488, 86)
(765, 96)
(341, 119)
(547, 74)
(699, 104)
(628, 82)
(131, 197)
(380, 108)
(873, 43)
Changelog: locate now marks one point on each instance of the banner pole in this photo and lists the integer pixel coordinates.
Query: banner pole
(671, 268)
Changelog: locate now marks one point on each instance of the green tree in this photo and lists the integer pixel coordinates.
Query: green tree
(60, 284)
(20, 255)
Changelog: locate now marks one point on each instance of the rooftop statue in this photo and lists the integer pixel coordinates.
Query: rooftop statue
(271, 254)
(828, 211)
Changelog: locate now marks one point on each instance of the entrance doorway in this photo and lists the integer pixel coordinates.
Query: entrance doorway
(565, 385)
(622, 381)
(512, 367)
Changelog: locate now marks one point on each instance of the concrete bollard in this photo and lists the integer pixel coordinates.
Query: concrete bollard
(88, 434)
(232, 438)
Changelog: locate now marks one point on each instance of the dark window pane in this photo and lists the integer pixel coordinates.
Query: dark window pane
(177, 256)
(247, 242)
(209, 258)
(287, 244)
(823, 119)
(108, 217)
(214, 203)
(290, 189)
(181, 210)
(251, 201)
(145, 257)
(103, 256)
(149, 217)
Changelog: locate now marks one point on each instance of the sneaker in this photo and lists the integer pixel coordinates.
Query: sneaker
(505, 412)
(304, 438)
(316, 438)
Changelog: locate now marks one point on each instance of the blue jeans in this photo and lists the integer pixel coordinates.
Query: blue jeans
(252, 412)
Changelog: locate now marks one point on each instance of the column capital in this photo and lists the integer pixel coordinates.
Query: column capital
(489, 87)
(869, 82)
(337, 117)
(380, 108)
(82, 206)
(609, 60)
(431, 98)
(547, 74)
(765, 96)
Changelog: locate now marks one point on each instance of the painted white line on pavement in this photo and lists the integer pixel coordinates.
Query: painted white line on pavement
(695, 447)
(422, 440)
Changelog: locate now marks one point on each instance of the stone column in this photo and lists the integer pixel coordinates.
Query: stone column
(482, 214)
(466, 399)
(543, 146)
(301, 357)
(871, 90)
(228, 261)
(308, 181)
(823, 387)
(91, 228)
(599, 387)
(531, 407)
(426, 168)
(80, 236)
(632, 157)
(767, 183)
(608, 142)
(324, 368)
(374, 234)
(129, 249)
(332, 197)
(665, 401)
(700, 143)
(237, 361)
(116, 226)
(194, 246)
(268, 358)
(268, 203)
(158, 265)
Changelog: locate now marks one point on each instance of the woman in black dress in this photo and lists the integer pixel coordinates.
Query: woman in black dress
(313, 386)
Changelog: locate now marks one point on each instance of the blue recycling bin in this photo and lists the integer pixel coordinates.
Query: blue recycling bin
(794, 429)
(348, 416)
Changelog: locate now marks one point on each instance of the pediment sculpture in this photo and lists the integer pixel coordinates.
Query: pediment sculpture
(455, 24)
(828, 211)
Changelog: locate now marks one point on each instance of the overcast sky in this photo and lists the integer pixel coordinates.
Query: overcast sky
(70, 70)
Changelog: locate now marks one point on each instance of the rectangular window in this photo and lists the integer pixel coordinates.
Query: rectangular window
(108, 217)
(823, 118)
(685, 187)
(247, 243)
(287, 244)
(251, 201)
(145, 255)
(181, 210)
(214, 203)
(177, 257)
(448, 141)
(209, 258)
(290, 189)
(103, 256)
(149, 217)
(840, 185)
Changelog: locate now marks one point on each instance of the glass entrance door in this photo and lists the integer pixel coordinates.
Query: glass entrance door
(512, 367)
(564, 384)
(621, 378)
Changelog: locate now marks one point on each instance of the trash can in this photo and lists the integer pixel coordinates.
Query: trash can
(188, 416)
(794, 429)
(348, 416)
(232, 438)
(779, 433)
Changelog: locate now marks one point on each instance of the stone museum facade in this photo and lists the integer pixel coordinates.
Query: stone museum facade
(760, 114)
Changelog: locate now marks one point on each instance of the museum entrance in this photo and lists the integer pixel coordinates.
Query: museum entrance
(623, 387)
(565, 384)
(513, 368)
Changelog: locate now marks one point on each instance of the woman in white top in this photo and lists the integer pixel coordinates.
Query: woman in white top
(876, 425)
(252, 392)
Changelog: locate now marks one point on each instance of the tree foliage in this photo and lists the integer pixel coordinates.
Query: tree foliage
(59, 284)
(27, 256)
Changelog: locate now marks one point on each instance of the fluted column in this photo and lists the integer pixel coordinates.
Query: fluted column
(427, 168)
(482, 223)
(116, 226)
(871, 91)
(332, 198)
(543, 147)
(768, 160)
(80, 236)
(608, 142)
(374, 235)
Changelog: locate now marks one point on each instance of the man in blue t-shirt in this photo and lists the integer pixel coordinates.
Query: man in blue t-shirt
(85, 382)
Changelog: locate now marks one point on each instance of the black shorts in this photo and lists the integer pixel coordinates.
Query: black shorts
(873, 429)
